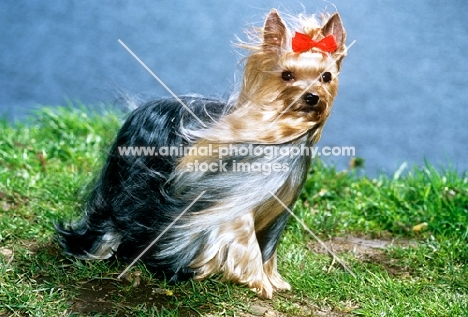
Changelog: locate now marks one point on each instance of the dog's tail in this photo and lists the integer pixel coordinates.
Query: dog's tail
(80, 240)
(93, 236)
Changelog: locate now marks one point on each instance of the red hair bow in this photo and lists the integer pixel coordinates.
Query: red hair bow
(302, 42)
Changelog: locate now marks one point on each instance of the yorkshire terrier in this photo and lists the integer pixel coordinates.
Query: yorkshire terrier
(289, 84)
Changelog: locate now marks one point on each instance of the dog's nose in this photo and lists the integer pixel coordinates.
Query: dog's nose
(311, 99)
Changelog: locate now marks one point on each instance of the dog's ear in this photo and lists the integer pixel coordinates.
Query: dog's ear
(334, 27)
(274, 31)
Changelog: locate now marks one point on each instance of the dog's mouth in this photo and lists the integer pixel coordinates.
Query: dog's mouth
(309, 108)
(314, 112)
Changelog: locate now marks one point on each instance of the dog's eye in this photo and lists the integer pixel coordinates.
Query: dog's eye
(287, 76)
(326, 77)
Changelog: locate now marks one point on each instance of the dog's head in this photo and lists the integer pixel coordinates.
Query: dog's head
(291, 79)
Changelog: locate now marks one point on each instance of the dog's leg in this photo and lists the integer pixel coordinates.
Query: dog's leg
(233, 251)
(268, 238)
(271, 271)
(244, 263)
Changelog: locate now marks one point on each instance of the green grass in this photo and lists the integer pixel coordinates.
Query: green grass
(45, 163)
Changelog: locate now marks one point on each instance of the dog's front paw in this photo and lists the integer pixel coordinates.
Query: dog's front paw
(279, 284)
(271, 271)
(264, 289)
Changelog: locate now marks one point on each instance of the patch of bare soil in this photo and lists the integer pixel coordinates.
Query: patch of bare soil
(106, 296)
(368, 250)
(257, 308)
(265, 309)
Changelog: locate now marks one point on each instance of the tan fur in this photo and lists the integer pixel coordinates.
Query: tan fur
(271, 270)
(235, 253)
